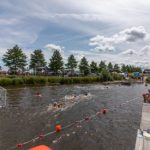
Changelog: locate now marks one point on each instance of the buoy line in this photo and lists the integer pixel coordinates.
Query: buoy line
(59, 128)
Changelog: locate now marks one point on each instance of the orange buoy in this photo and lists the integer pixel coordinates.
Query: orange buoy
(19, 145)
(41, 147)
(58, 128)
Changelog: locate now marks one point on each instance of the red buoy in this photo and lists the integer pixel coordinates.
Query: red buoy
(19, 145)
(104, 111)
(58, 128)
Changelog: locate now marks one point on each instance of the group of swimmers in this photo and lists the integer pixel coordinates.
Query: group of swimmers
(147, 97)
(61, 104)
(57, 105)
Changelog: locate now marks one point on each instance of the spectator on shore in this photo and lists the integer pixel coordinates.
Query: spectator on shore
(147, 97)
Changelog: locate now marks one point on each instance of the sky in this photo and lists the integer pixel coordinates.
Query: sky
(108, 30)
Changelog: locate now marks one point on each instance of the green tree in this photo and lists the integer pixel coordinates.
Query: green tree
(37, 60)
(15, 59)
(102, 66)
(72, 63)
(110, 66)
(116, 68)
(56, 62)
(137, 69)
(124, 68)
(93, 67)
(83, 66)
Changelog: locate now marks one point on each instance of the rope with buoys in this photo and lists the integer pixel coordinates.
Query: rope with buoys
(59, 128)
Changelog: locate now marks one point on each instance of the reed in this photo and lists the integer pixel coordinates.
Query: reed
(45, 80)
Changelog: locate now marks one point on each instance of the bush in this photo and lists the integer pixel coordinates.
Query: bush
(105, 76)
(17, 81)
(117, 76)
(29, 80)
(37, 80)
(148, 79)
(54, 80)
(5, 81)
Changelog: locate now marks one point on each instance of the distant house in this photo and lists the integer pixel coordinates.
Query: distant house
(146, 71)
(69, 72)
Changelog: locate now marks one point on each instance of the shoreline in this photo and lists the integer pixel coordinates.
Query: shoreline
(122, 82)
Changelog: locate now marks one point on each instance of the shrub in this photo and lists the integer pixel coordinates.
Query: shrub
(105, 76)
(54, 80)
(148, 79)
(117, 76)
(5, 81)
(17, 81)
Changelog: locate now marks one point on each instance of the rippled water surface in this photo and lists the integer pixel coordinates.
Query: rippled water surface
(28, 116)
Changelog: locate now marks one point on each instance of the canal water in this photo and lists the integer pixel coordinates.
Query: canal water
(28, 116)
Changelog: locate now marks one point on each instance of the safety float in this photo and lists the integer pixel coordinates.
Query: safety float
(41, 147)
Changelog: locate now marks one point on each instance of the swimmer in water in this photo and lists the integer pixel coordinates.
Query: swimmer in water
(86, 94)
(38, 94)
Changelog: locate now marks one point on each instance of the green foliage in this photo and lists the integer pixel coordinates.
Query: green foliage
(17, 81)
(54, 80)
(117, 76)
(37, 60)
(35, 80)
(72, 63)
(110, 66)
(6, 81)
(83, 66)
(116, 68)
(102, 66)
(124, 68)
(130, 69)
(42, 80)
(148, 79)
(105, 75)
(93, 67)
(56, 62)
(15, 59)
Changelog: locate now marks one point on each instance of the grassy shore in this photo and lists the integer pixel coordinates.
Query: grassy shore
(148, 79)
(46, 80)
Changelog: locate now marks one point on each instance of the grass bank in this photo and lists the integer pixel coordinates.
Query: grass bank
(43, 80)
(148, 79)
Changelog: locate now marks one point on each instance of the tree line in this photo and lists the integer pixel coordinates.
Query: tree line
(16, 60)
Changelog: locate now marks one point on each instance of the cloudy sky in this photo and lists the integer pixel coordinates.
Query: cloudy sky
(109, 30)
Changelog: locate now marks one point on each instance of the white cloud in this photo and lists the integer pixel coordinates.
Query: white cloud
(145, 51)
(128, 52)
(138, 57)
(53, 47)
(27, 24)
(129, 35)
(50, 48)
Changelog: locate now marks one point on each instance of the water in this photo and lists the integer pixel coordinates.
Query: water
(28, 116)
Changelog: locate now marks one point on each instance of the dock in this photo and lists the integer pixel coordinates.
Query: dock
(143, 134)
